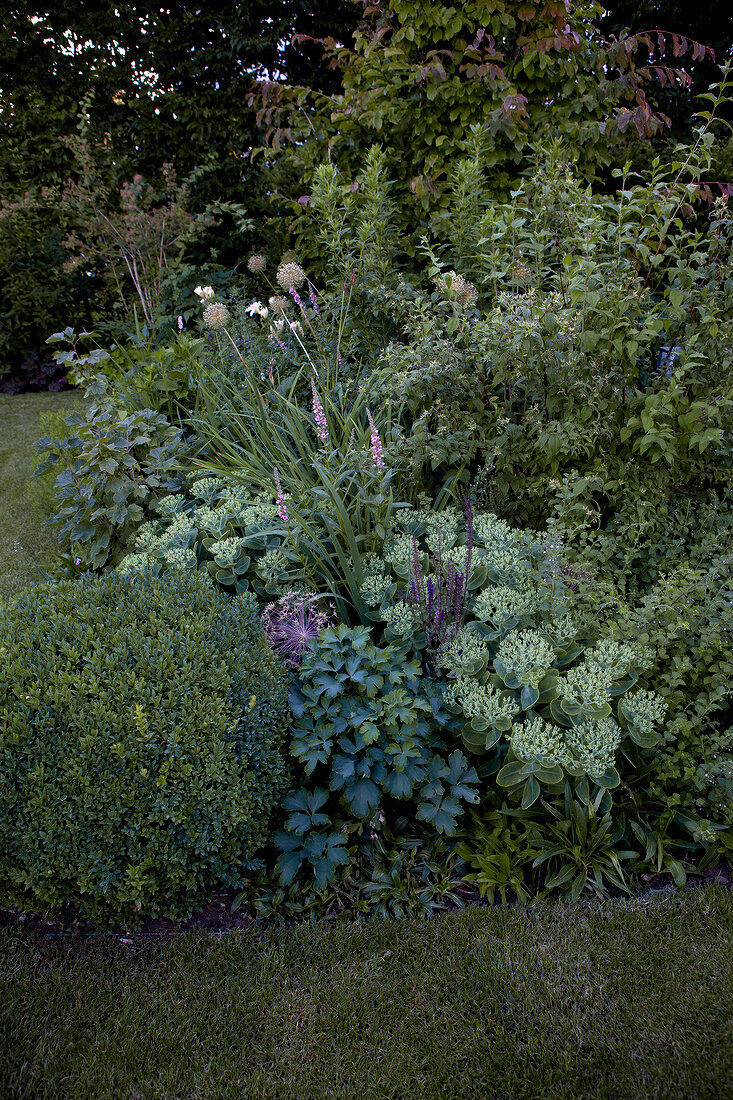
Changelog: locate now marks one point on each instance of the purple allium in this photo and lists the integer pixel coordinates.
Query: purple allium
(282, 508)
(293, 622)
(319, 416)
(377, 450)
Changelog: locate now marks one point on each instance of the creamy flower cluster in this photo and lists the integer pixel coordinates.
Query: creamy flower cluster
(527, 655)
(480, 701)
(499, 603)
(465, 651)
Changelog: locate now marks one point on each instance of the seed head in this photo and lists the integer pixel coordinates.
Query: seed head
(290, 275)
(257, 263)
(216, 315)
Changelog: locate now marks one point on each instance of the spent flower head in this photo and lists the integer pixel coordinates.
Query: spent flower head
(455, 286)
(290, 275)
(257, 263)
(293, 622)
(278, 303)
(216, 315)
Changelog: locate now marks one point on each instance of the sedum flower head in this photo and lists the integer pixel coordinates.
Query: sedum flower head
(376, 583)
(527, 655)
(182, 557)
(216, 315)
(499, 603)
(212, 520)
(208, 488)
(586, 685)
(465, 651)
(493, 532)
(644, 709)
(170, 504)
(480, 701)
(227, 551)
(400, 619)
(257, 263)
(593, 745)
(616, 658)
(290, 276)
(541, 739)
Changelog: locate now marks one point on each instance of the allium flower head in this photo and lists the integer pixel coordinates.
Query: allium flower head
(216, 315)
(293, 622)
(278, 304)
(205, 292)
(290, 275)
(257, 263)
(459, 288)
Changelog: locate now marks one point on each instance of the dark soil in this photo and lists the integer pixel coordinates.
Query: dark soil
(216, 915)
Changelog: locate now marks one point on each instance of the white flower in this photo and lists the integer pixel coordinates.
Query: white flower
(258, 308)
(279, 324)
(205, 292)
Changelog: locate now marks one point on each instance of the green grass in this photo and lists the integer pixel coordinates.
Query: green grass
(625, 999)
(24, 542)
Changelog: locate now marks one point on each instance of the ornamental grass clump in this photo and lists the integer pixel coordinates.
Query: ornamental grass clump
(142, 725)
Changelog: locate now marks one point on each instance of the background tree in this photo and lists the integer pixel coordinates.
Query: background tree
(160, 84)
(420, 78)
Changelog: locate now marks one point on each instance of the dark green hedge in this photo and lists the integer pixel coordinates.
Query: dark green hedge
(142, 724)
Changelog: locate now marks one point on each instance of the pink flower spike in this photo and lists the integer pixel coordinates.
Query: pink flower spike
(320, 416)
(377, 449)
(282, 508)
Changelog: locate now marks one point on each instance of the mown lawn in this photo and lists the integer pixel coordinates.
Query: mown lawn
(24, 542)
(625, 999)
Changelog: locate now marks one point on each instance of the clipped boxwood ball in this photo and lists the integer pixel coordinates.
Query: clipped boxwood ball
(142, 727)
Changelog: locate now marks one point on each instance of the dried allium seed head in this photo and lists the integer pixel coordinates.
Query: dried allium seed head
(290, 275)
(278, 304)
(459, 288)
(257, 263)
(216, 315)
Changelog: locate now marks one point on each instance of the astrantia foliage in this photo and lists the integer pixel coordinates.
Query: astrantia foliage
(368, 729)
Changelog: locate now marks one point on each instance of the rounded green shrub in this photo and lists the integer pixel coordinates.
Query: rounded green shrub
(142, 725)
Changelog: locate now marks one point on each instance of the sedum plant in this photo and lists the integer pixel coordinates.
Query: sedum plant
(528, 689)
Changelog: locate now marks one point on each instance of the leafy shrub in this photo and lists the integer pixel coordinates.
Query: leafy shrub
(114, 466)
(368, 727)
(141, 734)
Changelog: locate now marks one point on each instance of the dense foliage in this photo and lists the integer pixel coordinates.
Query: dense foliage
(141, 744)
(471, 461)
